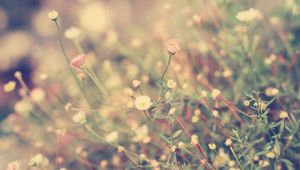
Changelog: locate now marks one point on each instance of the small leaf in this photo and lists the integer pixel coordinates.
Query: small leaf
(177, 134)
(164, 138)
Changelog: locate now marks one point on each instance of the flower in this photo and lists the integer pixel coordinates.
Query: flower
(172, 46)
(215, 113)
(37, 94)
(271, 91)
(80, 117)
(203, 93)
(181, 144)
(194, 140)
(246, 102)
(248, 15)
(154, 163)
(271, 154)
(39, 160)
(195, 119)
(120, 148)
(215, 93)
(143, 102)
(172, 111)
(72, 33)
(112, 136)
(15, 165)
(78, 61)
(212, 146)
(136, 83)
(10, 86)
(228, 142)
(171, 84)
(283, 114)
(53, 15)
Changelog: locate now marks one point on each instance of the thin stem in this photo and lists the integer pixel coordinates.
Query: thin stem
(235, 157)
(166, 69)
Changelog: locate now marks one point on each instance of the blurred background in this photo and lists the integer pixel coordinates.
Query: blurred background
(128, 37)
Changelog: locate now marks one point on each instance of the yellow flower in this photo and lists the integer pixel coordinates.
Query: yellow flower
(215, 113)
(271, 91)
(171, 84)
(172, 111)
(194, 140)
(249, 15)
(195, 119)
(283, 114)
(271, 154)
(10, 86)
(53, 15)
(39, 160)
(154, 163)
(212, 146)
(143, 102)
(246, 102)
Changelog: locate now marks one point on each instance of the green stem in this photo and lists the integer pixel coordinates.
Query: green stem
(95, 80)
(236, 158)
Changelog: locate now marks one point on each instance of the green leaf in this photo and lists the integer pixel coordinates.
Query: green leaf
(177, 134)
(271, 101)
(273, 124)
(288, 164)
(164, 138)
(277, 148)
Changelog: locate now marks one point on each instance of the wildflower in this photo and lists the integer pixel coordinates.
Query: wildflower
(171, 84)
(231, 163)
(143, 102)
(221, 159)
(173, 46)
(39, 160)
(271, 154)
(173, 148)
(80, 117)
(68, 106)
(53, 15)
(128, 91)
(15, 165)
(195, 119)
(228, 142)
(215, 113)
(37, 94)
(143, 156)
(249, 15)
(154, 163)
(212, 146)
(172, 111)
(215, 93)
(283, 114)
(103, 164)
(197, 112)
(112, 136)
(227, 73)
(78, 61)
(18, 74)
(194, 140)
(10, 86)
(72, 33)
(136, 83)
(121, 149)
(264, 163)
(246, 102)
(181, 144)
(271, 91)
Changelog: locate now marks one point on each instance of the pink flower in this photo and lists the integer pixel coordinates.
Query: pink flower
(78, 61)
(172, 46)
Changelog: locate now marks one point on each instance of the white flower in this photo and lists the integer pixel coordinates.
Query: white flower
(215, 93)
(143, 102)
(80, 117)
(72, 33)
(228, 142)
(37, 94)
(53, 15)
(171, 84)
(39, 160)
(249, 15)
(212, 146)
